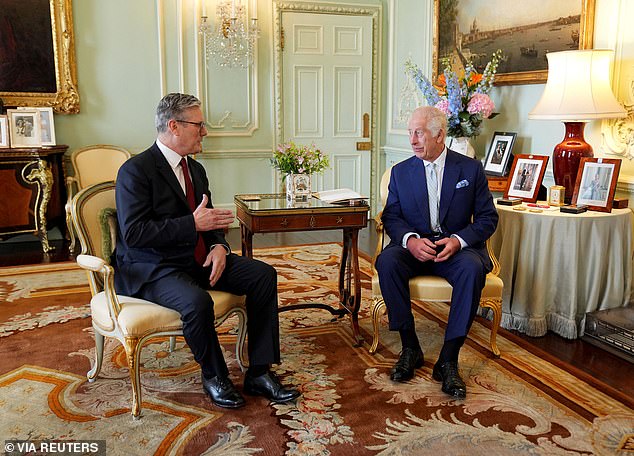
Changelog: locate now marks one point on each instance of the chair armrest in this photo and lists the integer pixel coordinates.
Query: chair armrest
(99, 265)
(91, 263)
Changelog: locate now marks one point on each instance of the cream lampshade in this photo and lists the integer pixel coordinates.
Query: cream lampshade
(577, 90)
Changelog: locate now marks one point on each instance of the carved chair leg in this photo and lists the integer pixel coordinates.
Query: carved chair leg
(132, 351)
(99, 341)
(378, 309)
(496, 306)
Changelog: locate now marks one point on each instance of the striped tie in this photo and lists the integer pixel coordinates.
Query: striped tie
(432, 192)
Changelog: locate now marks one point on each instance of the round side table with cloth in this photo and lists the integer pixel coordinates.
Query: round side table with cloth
(557, 266)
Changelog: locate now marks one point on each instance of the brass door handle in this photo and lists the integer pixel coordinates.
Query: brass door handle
(366, 125)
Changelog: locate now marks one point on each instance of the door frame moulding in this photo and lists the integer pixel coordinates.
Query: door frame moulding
(373, 11)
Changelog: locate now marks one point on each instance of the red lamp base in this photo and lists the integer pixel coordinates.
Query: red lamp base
(568, 154)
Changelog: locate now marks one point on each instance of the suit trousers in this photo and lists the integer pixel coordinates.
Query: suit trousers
(186, 292)
(465, 271)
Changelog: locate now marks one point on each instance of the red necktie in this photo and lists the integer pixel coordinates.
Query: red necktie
(200, 253)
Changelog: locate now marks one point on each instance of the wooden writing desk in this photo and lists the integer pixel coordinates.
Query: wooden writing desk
(271, 213)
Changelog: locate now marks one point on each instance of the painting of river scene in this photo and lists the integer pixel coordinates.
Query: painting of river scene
(525, 31)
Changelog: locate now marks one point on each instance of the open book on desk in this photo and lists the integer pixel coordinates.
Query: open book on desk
(340, 196)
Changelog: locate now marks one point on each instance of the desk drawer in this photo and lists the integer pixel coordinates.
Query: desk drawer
(278, 223)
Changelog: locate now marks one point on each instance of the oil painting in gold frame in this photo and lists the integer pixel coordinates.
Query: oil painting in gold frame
(50, 79)
(524, 31)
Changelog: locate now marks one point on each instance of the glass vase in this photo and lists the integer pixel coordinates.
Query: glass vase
(462, 145)
(298, 187)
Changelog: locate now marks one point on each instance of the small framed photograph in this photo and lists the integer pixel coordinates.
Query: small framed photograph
(497, 161)
(47, 125)
(526, 177)
(596, 183)
(4, 132)
(24, 128)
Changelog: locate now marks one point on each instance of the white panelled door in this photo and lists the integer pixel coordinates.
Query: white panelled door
(327, 92)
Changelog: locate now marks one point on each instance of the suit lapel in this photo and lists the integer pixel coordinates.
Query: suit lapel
(418, 184)
(165, 170)
(450, 178)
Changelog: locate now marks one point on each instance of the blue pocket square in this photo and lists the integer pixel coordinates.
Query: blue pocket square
(462, 183)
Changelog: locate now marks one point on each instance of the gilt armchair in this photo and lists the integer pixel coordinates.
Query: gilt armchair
(432, 288)
(91, 165)
(131, 321)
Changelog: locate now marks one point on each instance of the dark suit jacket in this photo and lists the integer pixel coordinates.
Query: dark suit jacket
(466, 204)
(157, 234)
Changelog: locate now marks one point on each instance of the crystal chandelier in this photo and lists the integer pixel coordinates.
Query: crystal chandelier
(232, 43)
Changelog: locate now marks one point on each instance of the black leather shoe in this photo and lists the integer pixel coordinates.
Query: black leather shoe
(269, 386)
(410, 360)
(448, 374)
(222, 392)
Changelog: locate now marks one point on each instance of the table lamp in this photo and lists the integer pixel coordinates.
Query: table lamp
(577, 91)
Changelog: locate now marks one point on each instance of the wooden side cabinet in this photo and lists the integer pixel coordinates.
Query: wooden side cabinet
(33, 192)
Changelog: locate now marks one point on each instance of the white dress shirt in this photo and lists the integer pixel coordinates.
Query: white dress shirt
(440, 163)
(174, 161)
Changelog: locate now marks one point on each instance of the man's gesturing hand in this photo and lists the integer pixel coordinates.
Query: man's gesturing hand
(207, 219)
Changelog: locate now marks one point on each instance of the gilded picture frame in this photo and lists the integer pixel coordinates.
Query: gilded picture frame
(524, 45)
(65, 96)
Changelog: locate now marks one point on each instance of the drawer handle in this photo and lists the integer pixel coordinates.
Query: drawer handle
(339, 220)
(284, 222)
(312, 222)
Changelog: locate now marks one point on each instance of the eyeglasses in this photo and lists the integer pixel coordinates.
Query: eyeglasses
(201, 125)
(419, 133)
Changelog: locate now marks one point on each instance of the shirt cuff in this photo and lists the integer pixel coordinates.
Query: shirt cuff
(226, 248)
(406, 238)
(463, 244)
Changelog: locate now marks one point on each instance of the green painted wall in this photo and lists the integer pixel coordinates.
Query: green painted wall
(118, 74)
(120, 83)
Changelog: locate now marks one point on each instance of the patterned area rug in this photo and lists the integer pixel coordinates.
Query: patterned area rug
(518, 404)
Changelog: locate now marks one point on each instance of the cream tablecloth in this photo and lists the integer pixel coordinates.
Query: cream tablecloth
(557, 266)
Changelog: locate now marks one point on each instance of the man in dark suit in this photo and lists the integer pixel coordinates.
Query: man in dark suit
(171, 249)
(439, 214)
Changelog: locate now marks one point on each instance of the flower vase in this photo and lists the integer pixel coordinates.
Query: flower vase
(297, 187)
(462, 145)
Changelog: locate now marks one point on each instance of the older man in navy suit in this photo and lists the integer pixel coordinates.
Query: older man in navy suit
(439, 214)
(171, 249)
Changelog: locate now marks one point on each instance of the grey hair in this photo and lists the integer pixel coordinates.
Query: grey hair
(436, 119)
(172, 106)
